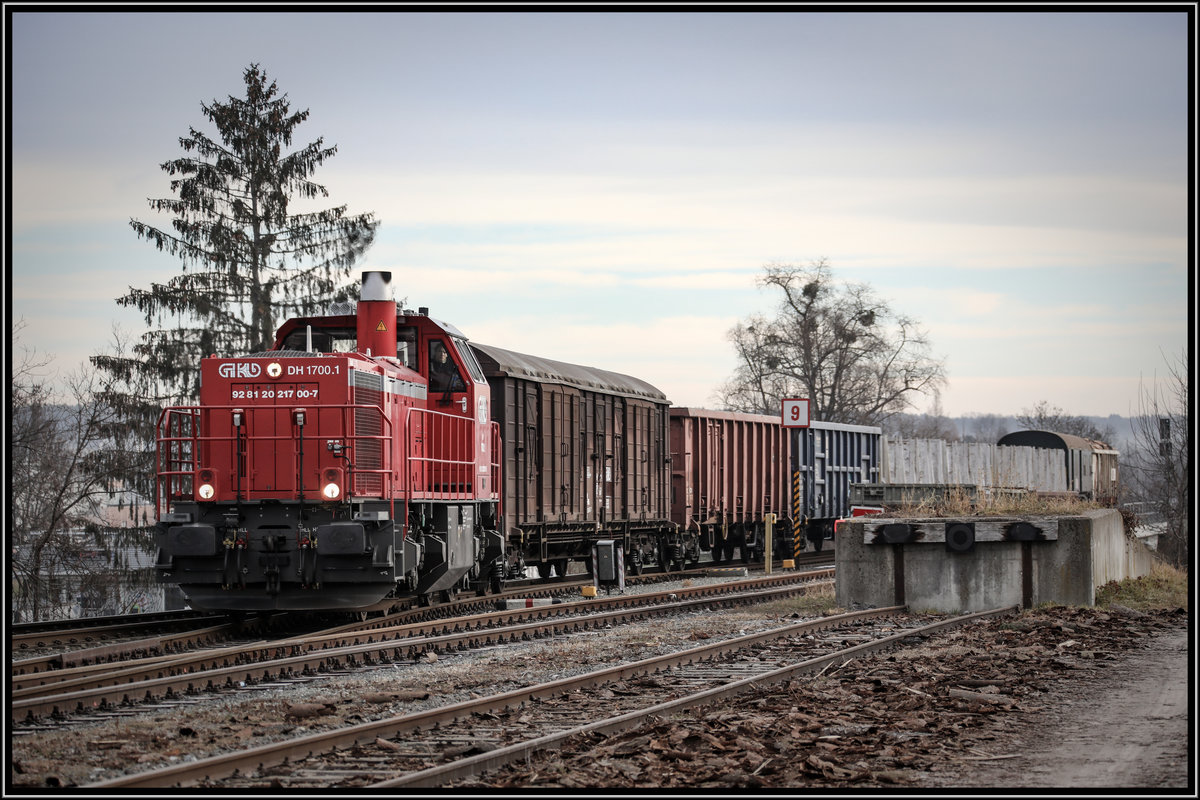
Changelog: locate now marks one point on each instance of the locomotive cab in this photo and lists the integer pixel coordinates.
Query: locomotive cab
(329, 472)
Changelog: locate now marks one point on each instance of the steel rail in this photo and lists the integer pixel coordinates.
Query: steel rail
(83, 623)
(62, 666)
(101, 675)
(90, 691)
(473, 765)
(30, 635)
(227, 764)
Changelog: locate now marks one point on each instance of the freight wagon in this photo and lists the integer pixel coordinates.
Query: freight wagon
(827, 459)
(729, 470)
(584, 459)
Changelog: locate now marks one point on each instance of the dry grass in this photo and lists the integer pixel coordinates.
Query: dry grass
(958, 503)
(1165, 588)
(818, 599)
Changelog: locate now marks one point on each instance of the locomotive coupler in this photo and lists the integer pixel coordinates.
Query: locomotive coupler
(306, 541)
(271, 576)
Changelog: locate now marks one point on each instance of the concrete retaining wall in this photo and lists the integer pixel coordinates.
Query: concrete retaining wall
(1080, 554)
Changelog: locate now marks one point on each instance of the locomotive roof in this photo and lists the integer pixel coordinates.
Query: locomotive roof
(496, 361)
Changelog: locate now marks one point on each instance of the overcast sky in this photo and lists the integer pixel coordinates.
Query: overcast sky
(604, 188)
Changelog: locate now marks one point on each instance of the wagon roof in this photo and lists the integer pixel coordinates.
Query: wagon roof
(496, 361)
(816, 424)
(1051, 439)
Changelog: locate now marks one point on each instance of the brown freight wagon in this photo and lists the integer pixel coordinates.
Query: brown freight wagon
(728, 470)
(584, 459)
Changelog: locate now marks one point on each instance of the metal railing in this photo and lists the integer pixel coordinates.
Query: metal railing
(180, 444)
(446, 471)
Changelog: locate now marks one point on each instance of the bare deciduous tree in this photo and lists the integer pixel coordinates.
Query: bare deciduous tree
(1045, 417)
(933, 424)
(57, 483)
(986, 428)
(839, 345)
(1158, 468)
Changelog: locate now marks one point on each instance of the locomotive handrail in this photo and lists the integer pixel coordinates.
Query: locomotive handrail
(450, 472)
(179, 441)
(180, 448)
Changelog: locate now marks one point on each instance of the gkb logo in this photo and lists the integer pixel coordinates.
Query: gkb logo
(245, 369)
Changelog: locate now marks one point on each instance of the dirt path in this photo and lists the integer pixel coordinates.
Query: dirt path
(1126, 729)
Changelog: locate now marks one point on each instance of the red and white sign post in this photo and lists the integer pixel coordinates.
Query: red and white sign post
(795, 413)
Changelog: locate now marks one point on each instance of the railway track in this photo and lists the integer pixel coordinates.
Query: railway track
(109, 640)
(439, 746)
(87, 631)
(105, 688)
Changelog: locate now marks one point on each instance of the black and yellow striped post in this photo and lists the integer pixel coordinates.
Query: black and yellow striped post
(797, 528)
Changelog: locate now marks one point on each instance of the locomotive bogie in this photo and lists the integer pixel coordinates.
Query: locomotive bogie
(275, 556)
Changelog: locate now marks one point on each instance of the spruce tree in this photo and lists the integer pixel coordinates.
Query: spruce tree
(247, 262)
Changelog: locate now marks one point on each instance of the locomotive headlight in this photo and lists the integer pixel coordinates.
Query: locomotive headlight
(208, 482)
(332, 488)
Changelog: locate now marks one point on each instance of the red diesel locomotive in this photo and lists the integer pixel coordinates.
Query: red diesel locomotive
(354, 462)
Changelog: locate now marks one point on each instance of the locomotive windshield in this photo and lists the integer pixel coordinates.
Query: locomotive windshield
(324, 340)
(469, 359)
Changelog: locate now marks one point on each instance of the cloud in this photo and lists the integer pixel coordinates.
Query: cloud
(72, 191)
(684, 356)
(1085, 395)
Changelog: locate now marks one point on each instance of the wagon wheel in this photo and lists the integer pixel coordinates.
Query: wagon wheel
(636, 564)
(495, 579)
(543, 569)
(727, 550)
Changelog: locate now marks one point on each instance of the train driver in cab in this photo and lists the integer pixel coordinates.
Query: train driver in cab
(443, 375)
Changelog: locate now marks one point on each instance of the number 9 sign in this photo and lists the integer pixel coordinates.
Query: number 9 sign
(795, 413)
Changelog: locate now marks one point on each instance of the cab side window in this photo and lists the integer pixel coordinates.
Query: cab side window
(443, 375)
(406, 347)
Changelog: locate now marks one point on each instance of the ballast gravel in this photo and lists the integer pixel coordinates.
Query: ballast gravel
(106, 746)
(917, 717)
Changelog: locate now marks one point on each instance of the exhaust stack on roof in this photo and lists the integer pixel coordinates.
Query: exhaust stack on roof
(377, 315)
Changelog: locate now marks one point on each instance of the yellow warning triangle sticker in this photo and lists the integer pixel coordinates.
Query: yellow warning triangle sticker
(381, 327)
